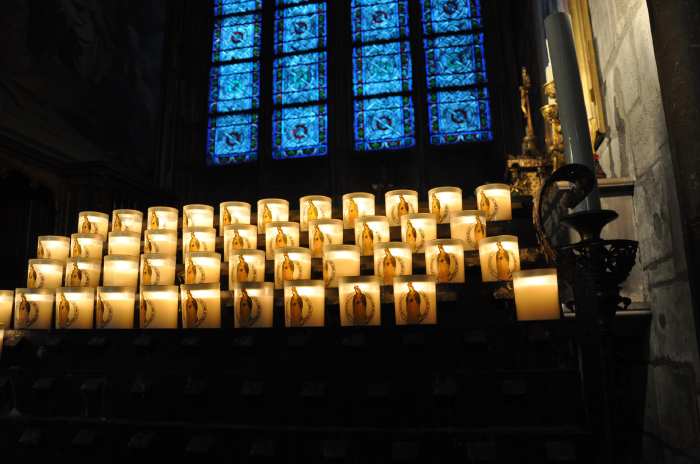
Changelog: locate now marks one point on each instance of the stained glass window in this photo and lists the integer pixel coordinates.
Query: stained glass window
(299, 121)
(234, 82)
(382, 82)
(458, 103)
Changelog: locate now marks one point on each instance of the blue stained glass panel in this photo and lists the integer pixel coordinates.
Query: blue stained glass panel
(379, 20)
(300, 28)
(299, 132)
(233, 138)
(234, 87)
(384, 123)
(226, 7)
(455, 60)
(459, 116)
(236, 38)
(450, 16)
(300, 78)
(382, 68)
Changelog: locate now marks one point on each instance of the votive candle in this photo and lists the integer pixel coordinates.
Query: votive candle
(197, 216)
(74, 307)
(444, 259)
(392, 259)
(252, 305)
(201, 306)
(158, 307)
(93, 222)
(246, 266)
(160, 241)
(291, 263)
(233, 212)
(324, 232)
(239, 237)
(86, 246)
(340, 261)
(357, 204)
(82, 272)
(414, 300)
(120, 271)
(157, 269)
(7, 299)
(536, 294)
(272, 209)
(114, 308)
(494, 201)
(162, 217)
(399, 203)
(359, 301)
(34, 308)
(304, 303)
(202, 267)
(124, 243)
(314, 207)
(53, 247)
(468, 226)
(416, 229)
(45, 273)
(127, 220)
(280, 234)
(443, 202)
(499, 257)
(370, 230)
(198, 239)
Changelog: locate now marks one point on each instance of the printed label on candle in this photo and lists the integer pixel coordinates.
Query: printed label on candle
(147, 312)
(501, 263)
(488, 206)
(103, 313)
(27, 312)
(415, 238)
(388, 265)
(194, 311)
(298, 309)
(248, 309)
(367, 236)
(359, 307)
(414, 305)
(288, 269)
(443, 265)
(401, 207)
(67, 312)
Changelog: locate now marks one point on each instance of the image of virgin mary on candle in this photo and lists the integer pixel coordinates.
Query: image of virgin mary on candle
(444, 265)
(359, 307)
(298, 309)
(27, 312)
(247, 309)
(502, 263)
(414, 305)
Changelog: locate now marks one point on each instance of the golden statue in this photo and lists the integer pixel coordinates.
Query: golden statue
(479, 230)
(117, 223)
(280, 239)
(287, 268)
(31, 278)
(412, 301)
(194, 243)
(435, 206)
(317, 241)
(267, 216)
(411, 236)
(76, 276)
(86, 226)
(154, 220)
(41, 251)
(226, 217)
(77, 250)
(485, 204)
(388, 267)
(99, 312)
(242, 269)
(367, 240)
(296, 308)
(63, 312)
(528, 144)
(190, 272)
(353, 212)
(359, 307)
(147, 273)
(502, 263)
(443, 265)
(23, 311)
(245, 309)
(237, 241)
(311, 211)
(404, 207)
(191, 310)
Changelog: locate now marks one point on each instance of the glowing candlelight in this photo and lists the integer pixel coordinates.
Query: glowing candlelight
(157, 269)
(499, 257)
(197, 216)
(45, 273)
(444, 259)
(444, 201)
(158, 307)
(536, 294)
(239, 237)
(468, 226)
(124, 243)
(120, 271)
(160, 241)
(53, 247)
(201, 306)
(233, 212)
(86, 246)
(93, 222)
(127, 220)
(356, 204)
(202, 267)
(340, 261)
(313, 207)
(399, 203)
(416, 229)
(252, 304)
(494, 201)
(162, 217)
(324, 232)
(246, 266)
(7, 299)
(114, 308)
(291, 263)
(198, 239)
(280, 234)
(304, 303)
(272, 209)
(370, 230)
(34, 308)
(82, 272)
(392, 259)
(414, 300)
(359, 301)
(74, 307)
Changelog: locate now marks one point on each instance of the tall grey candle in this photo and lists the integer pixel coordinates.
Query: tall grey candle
(572, 109)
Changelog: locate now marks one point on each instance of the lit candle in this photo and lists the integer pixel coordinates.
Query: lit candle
(86, 246)
(324, 232)
(93, 222)
(157, 269)
(359, 301)
(246, 266)
(202, 267)
(160, 241)
(127, 220)
(233, 212)
(120, 271)
(197, 216)
(418, 228)
(7, 298)
(370, 230)
(414, 300)
(499, 257)
(399, 203)
(45, 273)
(340, 261)
(74, 307)
(124, 243)
(280, 234)
(392, 259)
(536, 294)
(201, 306)
(162, 217)
(272, 209)
(82, 272)
(34, 308)
(239, 237)
(444, 259)
(444, 201)
(252, 305)
(468, 226)
(291, 263)
(198, 239)
(304, 303)
(314, 207)
(356, 204)
(494, 201)
(53, 247)
(158, 307)
(114, 308)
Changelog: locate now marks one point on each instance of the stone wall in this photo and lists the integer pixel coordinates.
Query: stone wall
(638, 148)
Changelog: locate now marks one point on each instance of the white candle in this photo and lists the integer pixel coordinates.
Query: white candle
(45, 273)
(340, 261)
(416, 229)
(272, 209)
(158, 307)
(280, 234)
(398, 203)
(494, 201)
(202, 267)
(370, 230)
(468, 226)
(252, 304)
(82, 272)
(53, 247)
(124, 243)
(246, 266)
(499, 257)
(324, 232)
(162, 217)
(392, 259)
(34, 308)
(160, 241)
(291, 263)
(359, 301)
(74, 307)
(414, 300)
(197, 216)
(93, 222)
(198, 239)
(443, 202)
(536, 294)
(357, 204)
(444, 259)
(157, 269)
(304, 303)
(114, 308)
(314, 207)
(86, 246)
(127, 220)
(239, 237)
(7, 299)
(120, 271)
(201, 306)
(233, 212)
